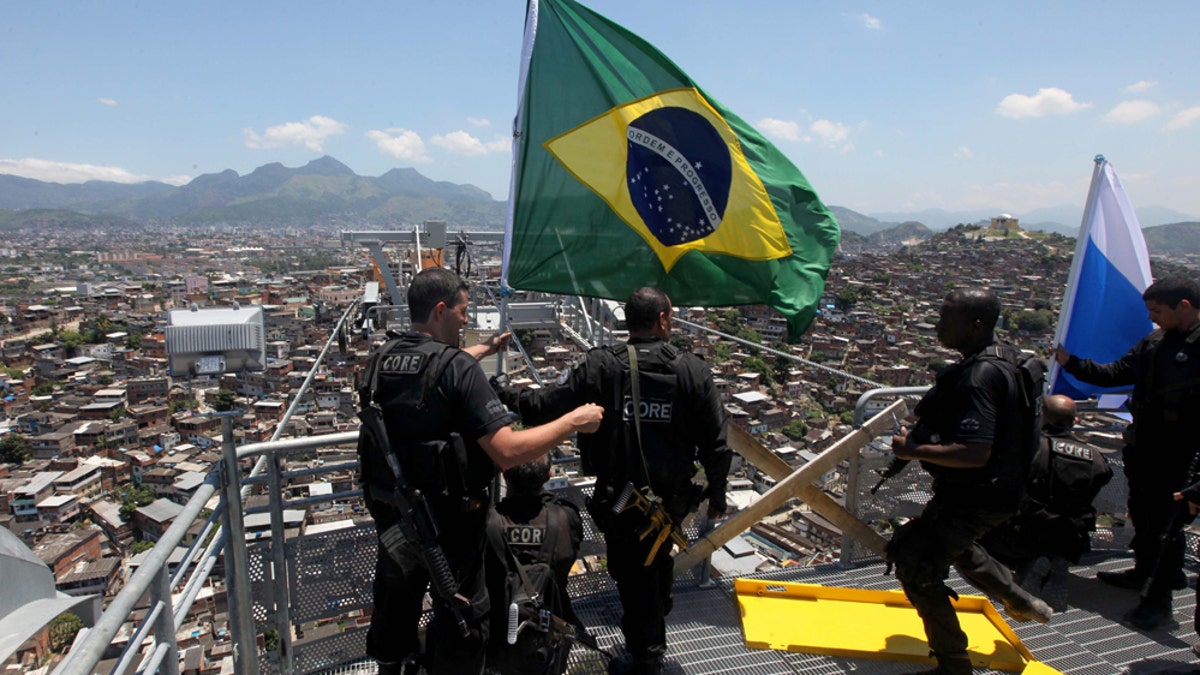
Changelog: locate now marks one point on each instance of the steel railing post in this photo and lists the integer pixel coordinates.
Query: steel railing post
(237, 576)
(279, 571)
(164, 625)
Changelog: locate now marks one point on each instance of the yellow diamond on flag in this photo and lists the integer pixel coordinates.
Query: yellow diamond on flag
(672, 169)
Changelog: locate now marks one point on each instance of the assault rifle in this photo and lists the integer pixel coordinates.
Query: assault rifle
(656, 514)
(552, 624)
(416, 524)
(897, 465)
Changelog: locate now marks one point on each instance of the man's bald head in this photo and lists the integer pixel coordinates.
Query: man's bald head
(1058, 411)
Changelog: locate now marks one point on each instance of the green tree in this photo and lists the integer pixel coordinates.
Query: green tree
(133, 341)
(728, 321)
(43, 389)
(14, 449)
(223, 400)
(748, 334)
(847, 297)
(681, 342)
(795, 429)
(70, 339)
(722, 352)
(758, 365)
(117, 413)
(63, 629)
(1036, 321)
(140, 546)
(134, 497)
(271, 640)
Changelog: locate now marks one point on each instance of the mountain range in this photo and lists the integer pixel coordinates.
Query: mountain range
(317, 192)
(326, 190)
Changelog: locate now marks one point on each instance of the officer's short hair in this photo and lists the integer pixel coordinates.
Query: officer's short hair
(1173, 290)
(975, 304)
(643, 307)
(428, 288)
(528, 478)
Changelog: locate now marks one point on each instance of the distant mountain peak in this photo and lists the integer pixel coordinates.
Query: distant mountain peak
(326, 166)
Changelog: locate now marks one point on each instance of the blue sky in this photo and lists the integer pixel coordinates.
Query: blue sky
(885, 106)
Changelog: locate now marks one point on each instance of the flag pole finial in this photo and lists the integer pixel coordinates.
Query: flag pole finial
(1100, 159)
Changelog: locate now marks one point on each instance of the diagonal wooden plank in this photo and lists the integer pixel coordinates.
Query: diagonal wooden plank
(796, 484)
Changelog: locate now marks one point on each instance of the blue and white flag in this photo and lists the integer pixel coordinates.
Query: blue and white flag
(1103, 314)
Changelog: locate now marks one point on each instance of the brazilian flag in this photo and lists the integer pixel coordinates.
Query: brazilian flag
(627, 174)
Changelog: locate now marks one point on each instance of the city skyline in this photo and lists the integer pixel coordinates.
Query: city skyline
(883, 109)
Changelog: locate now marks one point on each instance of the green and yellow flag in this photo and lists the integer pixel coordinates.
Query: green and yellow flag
(627, 174)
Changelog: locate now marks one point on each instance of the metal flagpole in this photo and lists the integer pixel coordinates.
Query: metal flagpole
(1068, 301)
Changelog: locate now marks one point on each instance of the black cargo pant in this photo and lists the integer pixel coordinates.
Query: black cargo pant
(400, 587)
(923, 551)
(1157, 518)
(645, 591)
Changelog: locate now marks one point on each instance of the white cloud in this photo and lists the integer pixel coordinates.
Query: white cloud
(1129, 112)
(400, 143)
(781, 129)
(462, 143)
(963, 152)
(871, 22)
(1140, 86)
(107, 101)
(830, 133)
(310, 133)
(1183, 119)
(478, 121)
(1047, 101)
(64, 172)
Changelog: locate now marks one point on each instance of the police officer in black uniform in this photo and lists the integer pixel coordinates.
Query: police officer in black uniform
(681, 421)
(1053, 528)
(1161, 445)
(462, 412)
(978, 470)
(536, 526)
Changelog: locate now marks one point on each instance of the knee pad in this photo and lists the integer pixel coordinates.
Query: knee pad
(917, 556)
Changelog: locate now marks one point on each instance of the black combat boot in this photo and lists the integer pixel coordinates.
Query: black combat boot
(1134, 579)
(1034, 609)
(1054, 591)
(949, 664)
(1150, 614)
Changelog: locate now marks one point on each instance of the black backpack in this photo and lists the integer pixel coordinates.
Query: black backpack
(1029, 372)
(531, 635)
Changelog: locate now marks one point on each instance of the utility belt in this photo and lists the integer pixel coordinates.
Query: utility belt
(986, 496)
(639, 513)
(464, 504)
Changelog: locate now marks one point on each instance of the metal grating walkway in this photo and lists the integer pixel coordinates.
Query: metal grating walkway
(705, 630)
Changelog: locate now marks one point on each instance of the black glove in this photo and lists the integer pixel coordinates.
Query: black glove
(716, 498)
(1192, 493)
(508, 395)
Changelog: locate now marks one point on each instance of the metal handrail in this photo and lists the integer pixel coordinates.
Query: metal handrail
(84, 657)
